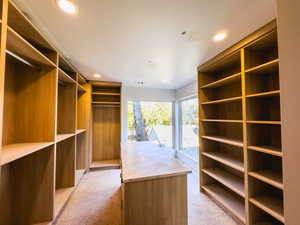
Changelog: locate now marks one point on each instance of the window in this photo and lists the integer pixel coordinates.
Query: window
(189, 129)
(150, 121)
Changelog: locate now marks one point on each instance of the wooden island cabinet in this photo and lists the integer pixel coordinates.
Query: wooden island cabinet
(154, 186)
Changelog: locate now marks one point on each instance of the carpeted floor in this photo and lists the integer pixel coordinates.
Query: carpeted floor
(97, 202)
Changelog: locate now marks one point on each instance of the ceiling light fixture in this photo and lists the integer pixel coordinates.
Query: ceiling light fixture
(219, 37)
(97, 75)
(67, 6)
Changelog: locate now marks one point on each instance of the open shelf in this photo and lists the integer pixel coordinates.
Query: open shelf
(81, 89)
(63, 77)
(79, 131)
(61, 197)
(29, 104)
(81, 154)
(225, 100)
(260, 217)
(23, 26)
(61, 137)
(13, 152)
(271, 205)
(24, 51)
(223, 139)
(228, 200)
(267, 149)
(81, 80)
(264, 122)
(222, 121)
(226, 159)
(264, 109)
(263, 50)
(27, 188)
(106, 103)
(228, 111)
(66, 108)
(264, 94)
(263, 164)
(64, 65)
(264, 135)
(264, 68)
(106, 93)
(221, 70)
(269, 176)
(225, 81)
(229, 180)
(105, 164)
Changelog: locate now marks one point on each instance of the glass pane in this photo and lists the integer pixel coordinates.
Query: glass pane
(150, 121)
(189, 127)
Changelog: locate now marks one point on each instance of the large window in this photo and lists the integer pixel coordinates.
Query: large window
(189, 129)
(150, 121)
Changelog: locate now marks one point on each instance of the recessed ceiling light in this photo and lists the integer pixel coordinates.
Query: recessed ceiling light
(97, 75)
(219, 36)
(67, 6)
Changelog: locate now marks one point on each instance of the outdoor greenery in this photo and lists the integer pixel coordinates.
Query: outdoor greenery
(154, 113)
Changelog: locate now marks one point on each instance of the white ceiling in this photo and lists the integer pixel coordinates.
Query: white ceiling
(118, 38)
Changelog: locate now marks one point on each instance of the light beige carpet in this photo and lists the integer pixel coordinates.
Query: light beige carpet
(97, 199)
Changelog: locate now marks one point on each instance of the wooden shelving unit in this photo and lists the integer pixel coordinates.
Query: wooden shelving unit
(106, 102)
(46, 123)
(106, 164)
(240, 129)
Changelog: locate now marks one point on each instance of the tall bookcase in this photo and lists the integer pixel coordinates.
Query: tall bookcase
(240, 129)
(45, 123)
(106, 101)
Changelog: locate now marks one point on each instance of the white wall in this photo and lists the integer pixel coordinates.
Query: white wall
(142, 94)
(188, 90)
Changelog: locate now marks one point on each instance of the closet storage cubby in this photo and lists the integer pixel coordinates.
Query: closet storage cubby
(240, 129)
(24, 202)
(45, 127)
(66, 108)
(106, 100)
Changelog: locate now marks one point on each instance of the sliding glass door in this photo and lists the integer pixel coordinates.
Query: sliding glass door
(189, 130)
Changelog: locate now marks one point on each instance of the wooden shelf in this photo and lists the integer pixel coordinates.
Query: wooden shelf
(231, 202)
(225, 81)
(268, 176)
(61, 137)
(267, 149)
(264, 94)
(61, 197)
(222, 121)
(13, 152)
(79, 131)
(266, 67)
(270, 205)
(64, 77)
(230, 141)
(106, 93)
(106, 103)
(225, 159)
(21, 24)
(105, 164)
(21, 49)
(80, 88)
(81, 79)
(233, 182)
(264, 122)
(220, 101)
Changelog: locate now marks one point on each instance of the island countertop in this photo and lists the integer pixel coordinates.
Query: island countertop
(146, 161)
